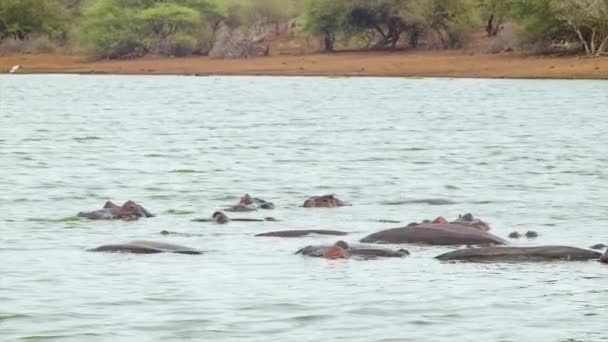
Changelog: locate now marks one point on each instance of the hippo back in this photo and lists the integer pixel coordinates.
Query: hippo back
(300, 233)
(435, 234)
(146, 247)
(520, 254)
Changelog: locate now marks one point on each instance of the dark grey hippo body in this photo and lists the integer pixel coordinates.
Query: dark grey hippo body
(435, 234)
(300, 233)
(604, 258)
(146, 247)
(542, 253)
(355, 251)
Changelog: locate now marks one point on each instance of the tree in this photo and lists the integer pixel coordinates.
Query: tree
(325, 17)
(452, 20)
(589, 20)
(169, 28)
(381, 16)
(129, 28)
(20, 18)
(496, 11)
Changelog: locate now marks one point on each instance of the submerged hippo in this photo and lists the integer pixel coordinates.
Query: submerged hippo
(604, 258)
(598, 246)
(110, 211)
(248, 203)
(325, 201)
(435, 234)
(300, 233)
(221, 218)
(541, 253)
(146, 247)
(342, 250)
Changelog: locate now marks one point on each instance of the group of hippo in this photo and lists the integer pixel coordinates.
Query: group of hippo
(466, 230)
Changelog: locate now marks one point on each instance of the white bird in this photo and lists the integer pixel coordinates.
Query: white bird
(14, 69)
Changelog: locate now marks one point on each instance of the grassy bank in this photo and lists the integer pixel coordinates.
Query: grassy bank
(398, 64)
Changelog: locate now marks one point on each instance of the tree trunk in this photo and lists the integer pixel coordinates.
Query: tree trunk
(602, 46)
(414, 36)
(329, 41)
(582, 39)
(592, 42)
(490, 26)
(497, 27)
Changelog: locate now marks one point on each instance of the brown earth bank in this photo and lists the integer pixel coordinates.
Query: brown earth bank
(397, 64)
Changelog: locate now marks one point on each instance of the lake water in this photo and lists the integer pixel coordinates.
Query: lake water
(520, 154)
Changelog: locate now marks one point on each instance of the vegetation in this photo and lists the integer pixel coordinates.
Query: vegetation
(131, 28)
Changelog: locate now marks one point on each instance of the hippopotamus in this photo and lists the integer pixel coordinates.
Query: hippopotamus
(598, 246)
(604, 258)
(146, 247)
(110, 211)
(300, 233)
(541, 253)
(342, 250)
(435, 234)
(221, 218)
(248, 203)
(325, 201)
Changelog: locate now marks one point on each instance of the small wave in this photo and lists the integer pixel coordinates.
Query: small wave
(65, 219)
(185, 171)
(429, 201)
(87, 138)
(6, 317)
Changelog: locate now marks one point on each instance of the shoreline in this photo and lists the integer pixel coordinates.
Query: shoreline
(441, 64)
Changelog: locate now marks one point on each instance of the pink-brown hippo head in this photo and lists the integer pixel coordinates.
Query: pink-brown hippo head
(325, 201)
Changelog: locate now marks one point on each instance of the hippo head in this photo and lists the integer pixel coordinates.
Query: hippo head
(310, 203)
(338, 251)
(129, 210)
(440, 220)
(341, 244)
(328, 201)
(220, 217)
(604, 258)
(246, 200)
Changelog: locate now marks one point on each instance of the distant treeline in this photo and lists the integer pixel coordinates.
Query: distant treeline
(133, 28)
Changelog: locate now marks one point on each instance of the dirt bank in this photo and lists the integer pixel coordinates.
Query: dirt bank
(435, 63)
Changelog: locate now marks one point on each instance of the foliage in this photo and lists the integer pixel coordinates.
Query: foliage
(20, 18)
(127, 28)
(325, 17)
